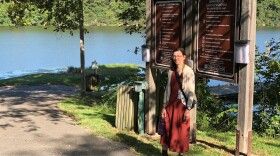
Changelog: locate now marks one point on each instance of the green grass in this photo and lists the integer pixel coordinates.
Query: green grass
(114, 73)
(97, 113)
(100, 118)
(266, 146)
(39, 79)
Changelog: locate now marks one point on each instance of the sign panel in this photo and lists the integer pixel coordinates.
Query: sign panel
(216, 36)
(168, 30)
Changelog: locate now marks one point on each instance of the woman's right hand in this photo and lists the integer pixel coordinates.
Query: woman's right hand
(163, 113)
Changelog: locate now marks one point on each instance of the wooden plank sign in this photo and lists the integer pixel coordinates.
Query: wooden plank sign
(168, 30)
(216, 37)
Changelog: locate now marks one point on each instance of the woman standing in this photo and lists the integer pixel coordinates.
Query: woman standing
(175, 112)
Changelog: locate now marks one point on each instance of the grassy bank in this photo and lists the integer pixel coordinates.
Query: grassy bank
(97, 113)
(40, 79)
(94, 113)
(113, 73)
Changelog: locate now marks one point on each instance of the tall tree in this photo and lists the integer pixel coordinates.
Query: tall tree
(267, 113)
(133, 15)
(61, 14)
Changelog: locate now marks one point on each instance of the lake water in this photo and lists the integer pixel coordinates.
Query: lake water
(29, 50)
(34, 49)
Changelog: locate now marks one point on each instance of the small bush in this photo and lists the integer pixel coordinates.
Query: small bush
(73, 70)
(203, 123)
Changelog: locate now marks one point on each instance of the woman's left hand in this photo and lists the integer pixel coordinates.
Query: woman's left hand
(186, 114)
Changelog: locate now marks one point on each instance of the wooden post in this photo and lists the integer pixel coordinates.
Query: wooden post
(159, 97)
(246, 78)
(188, 44)
(150, 94)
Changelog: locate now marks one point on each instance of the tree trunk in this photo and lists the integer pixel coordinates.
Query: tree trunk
(82, 50)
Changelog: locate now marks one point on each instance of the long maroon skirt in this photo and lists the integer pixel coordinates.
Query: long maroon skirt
(177, 136)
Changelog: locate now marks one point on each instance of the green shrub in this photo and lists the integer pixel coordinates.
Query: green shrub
(203, 123)
(73, 70)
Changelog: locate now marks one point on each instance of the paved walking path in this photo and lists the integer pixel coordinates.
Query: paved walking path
(31, 124)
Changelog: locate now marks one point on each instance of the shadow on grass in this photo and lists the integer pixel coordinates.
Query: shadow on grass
(273, 144)
(110, 118)
(216, 146)
(139, 146)
(219, 137)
